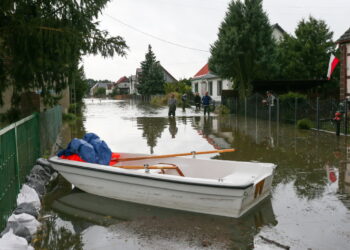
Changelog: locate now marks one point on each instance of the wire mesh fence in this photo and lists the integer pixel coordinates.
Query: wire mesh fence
(21, 143)
(319, 112)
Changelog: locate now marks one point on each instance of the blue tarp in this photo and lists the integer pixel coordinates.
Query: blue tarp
(91, 149)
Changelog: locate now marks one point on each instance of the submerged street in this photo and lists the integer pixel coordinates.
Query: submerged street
(308, 208)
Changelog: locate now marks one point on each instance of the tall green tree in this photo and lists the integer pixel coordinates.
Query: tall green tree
(151, 78)
(306, 55)
(245, 48)
(42, 42)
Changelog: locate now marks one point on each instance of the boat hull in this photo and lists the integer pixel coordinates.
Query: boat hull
(157, 190)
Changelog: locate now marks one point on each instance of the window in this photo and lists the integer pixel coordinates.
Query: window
(210, 88)
(219, 89)
(196, 87)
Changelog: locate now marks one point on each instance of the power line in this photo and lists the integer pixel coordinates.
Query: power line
(155, 37)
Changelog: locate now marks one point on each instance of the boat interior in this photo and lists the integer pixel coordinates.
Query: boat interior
(226, 171)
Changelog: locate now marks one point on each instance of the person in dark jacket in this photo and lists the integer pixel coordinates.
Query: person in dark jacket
(206, 100)
(184, 101)
(197, 101)
(172, 105)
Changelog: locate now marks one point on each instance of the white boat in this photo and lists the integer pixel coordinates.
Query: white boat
(218, 187)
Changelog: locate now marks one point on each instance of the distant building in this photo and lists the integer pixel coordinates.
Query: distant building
(135, 79)
(106, 85)
(205, 81)
(167, 76)
(278, 33)
(344, 47)
(123, 84)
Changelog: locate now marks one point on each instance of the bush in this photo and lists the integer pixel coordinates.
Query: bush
(75, 107)
(291, 96)
(222, 110)
(69, 117)
(304, 124)
(163, 100)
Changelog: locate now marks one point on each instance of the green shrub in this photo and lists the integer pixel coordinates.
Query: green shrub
(222, 110)
(75, 107)
(304, 124)
(163, 100)
(291, 96)
(69, 117)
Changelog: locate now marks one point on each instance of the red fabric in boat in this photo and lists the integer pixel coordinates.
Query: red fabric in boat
(115, 158)
(76, 157)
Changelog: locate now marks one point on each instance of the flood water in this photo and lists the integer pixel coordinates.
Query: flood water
(308, 208)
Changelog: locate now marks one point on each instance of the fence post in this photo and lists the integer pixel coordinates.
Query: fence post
(318, 113)
(346, 118)
(18, 186)
(295, 110)
(245, 107)
(256, 106)
(278, 110)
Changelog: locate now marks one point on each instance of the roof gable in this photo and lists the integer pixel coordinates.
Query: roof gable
(345, 37)
(279, 28)
(122, 79)
(203, 71)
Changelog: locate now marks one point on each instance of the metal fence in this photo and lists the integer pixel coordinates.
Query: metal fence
(319, 111)
(21, 144)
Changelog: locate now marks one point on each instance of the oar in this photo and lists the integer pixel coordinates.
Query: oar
(174, 155)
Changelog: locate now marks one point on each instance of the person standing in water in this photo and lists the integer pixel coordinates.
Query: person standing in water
(197, 101)
(206, 100)
(172, 105)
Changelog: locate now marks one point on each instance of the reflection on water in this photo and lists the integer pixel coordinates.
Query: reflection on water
(172, 127)
(148, 224)
(311, 194)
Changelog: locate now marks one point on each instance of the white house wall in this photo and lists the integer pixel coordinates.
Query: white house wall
(203, 86)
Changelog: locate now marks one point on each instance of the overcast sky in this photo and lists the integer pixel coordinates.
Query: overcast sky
(193, 26)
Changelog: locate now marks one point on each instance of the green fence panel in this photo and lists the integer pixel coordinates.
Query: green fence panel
(28, 145)
(50, 125)
(9, 186)
(20, 145)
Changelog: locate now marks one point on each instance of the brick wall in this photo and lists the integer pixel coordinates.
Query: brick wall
(343, 72)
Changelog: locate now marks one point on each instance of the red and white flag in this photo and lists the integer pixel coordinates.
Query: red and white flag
(333, 61)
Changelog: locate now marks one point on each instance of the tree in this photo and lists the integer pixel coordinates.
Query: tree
(100, 92)
(306, 55)
(42, 42)
(80, 85)
(182, 86)
(245, 48)
(151, 78)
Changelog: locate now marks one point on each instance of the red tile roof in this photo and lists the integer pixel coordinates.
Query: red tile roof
(122, 79)
(203, 71)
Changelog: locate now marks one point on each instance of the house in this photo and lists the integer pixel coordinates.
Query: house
(106, 85)
(135, 79)
(167, 76)
(344, 47)
(278, 33)
(123, 84)
(31, 101)
(206, 81)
